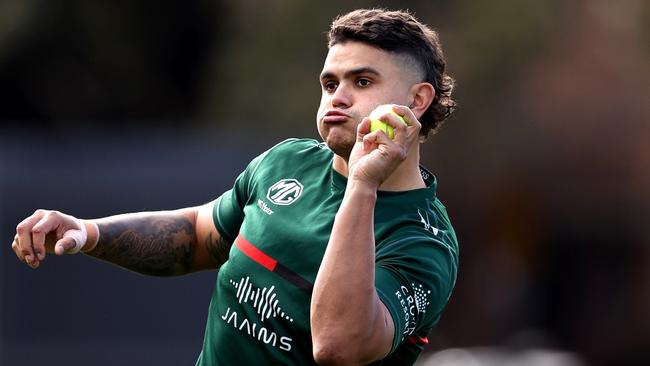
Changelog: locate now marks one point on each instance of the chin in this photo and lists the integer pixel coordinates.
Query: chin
(340, 148)
(339, 140)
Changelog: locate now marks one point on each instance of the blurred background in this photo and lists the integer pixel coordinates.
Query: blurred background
(116, 106)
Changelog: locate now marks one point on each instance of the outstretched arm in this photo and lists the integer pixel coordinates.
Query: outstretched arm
(161, 243)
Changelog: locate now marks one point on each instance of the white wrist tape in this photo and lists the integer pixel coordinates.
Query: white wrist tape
(79, 236)
(90, 246)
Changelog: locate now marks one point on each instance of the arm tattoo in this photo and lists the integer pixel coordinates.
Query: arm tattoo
(218, 248)
(156, 244)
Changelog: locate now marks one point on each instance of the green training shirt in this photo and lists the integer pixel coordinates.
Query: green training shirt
(278, 217)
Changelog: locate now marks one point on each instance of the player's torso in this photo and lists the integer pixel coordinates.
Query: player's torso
(260, 308)
(265, 286)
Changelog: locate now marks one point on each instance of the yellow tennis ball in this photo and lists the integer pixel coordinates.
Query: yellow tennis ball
(377, 124)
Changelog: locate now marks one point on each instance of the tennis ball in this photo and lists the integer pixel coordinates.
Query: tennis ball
(377, 124)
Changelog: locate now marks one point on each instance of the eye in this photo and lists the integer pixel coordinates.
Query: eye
(329, 86)
(363, 82)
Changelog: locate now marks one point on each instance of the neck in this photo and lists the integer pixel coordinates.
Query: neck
(405, 177)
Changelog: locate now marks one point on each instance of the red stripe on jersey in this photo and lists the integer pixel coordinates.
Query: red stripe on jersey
(415, 340)
(255, 254)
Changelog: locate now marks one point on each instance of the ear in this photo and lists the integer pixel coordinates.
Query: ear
(422, 95)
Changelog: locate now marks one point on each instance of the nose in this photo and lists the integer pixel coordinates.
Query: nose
(342, 97)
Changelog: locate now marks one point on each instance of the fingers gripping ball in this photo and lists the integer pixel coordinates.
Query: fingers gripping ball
(377, 124)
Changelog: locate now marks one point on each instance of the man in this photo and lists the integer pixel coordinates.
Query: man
(336, 252)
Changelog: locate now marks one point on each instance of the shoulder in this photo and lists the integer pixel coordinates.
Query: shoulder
(284, 148)
(443, 223)
(295, 152)
(295, 145)
(288, 157)
(423, 227)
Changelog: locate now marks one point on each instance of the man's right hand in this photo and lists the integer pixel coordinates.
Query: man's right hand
(160, 243)
(48, 231)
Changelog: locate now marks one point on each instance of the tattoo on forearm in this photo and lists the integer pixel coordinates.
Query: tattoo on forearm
(218, 248)
(159, 245)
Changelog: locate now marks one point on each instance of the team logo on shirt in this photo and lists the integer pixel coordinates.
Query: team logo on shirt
(426, 224)
(285, 192)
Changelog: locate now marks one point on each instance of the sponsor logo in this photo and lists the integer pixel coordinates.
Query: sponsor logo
(414, 301)
(266, 304)
(264, 207)
(421, 298)
(256, 330)
(263, 300)
(425, 223)
(285, 192)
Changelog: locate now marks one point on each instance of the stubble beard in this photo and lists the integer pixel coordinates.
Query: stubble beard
(341, 145)
(342, 151)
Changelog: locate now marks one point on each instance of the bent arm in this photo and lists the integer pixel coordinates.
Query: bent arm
(164, 243)
(350, 324)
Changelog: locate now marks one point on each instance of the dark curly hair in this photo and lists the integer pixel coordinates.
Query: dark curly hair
(401, 33)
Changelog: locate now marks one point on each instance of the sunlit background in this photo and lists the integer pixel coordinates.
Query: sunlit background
(115, 106)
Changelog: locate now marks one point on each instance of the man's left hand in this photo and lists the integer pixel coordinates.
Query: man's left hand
(374, 156)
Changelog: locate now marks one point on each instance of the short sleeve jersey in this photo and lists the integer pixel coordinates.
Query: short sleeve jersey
(278, 217)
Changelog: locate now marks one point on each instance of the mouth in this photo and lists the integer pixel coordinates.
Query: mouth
(334, 116)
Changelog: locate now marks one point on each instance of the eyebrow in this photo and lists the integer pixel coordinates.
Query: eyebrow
(352, 72)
